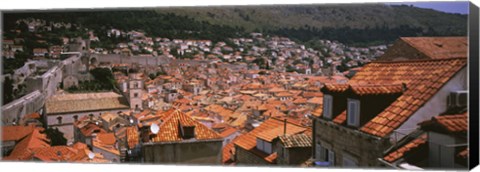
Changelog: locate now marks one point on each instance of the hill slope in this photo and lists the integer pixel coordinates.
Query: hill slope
(346, 15)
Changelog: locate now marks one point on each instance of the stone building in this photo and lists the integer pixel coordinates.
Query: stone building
(135, 90)
(440, 142)
(183, 140)
(385, 101)
(294, 150)
(63, 110)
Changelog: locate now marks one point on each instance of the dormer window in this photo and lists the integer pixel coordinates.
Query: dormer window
(353, 112)
(327, 106)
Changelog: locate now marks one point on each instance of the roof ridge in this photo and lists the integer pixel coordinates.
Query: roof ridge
(419, 60)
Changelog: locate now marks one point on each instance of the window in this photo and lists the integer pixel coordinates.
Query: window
(324, 155)
(59, 120)
(75, 118)
(353, 113)
(327, 106)
(135, 94)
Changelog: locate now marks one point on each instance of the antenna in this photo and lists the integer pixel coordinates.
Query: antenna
(91, 155)
(154, 128)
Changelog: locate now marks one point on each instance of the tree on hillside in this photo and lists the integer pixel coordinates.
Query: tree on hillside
(56, 137)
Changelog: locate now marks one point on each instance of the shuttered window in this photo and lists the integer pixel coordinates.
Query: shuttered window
(353, 112)
(327, 106)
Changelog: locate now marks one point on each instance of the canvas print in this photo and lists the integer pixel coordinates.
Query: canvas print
(374, 85)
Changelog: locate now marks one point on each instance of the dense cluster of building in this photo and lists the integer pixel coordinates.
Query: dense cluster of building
(405, 109)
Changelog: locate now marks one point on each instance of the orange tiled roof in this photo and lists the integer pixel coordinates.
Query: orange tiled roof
(106, 138)
(395, 155)
(296, 140)
(132, 137)
(451, 123)
(15, 133)
(227, 152)
(336, 87)
(248, 141)
(439, 47)
(228, 132)
(169, 131)
(54, 153)
(270, 134)
(317, 112)
(340, 119)
(24, 149)
(374, 89)
(423, 79)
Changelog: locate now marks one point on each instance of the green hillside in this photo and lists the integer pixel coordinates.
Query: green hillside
(345, 15)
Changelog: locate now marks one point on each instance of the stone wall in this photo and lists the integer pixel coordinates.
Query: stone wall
(347, 142)
(15, 110)
(243, 157)
(194, 152)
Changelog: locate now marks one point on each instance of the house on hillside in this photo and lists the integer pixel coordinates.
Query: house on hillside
(386, 99)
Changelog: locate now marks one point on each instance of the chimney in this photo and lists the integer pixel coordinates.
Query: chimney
(284, 126)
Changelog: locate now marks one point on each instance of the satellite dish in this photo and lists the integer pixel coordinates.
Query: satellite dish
(91, 155)
(154, 128)
(131, 121)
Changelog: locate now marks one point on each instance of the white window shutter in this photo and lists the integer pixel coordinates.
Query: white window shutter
(353, 112)
(327, 106)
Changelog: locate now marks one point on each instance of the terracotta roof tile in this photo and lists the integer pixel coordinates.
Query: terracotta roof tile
(248, 141)
(106, 138)
(169, 131)
(15, 133)
(398, 153)
(24, 149)
(132, 137)
(336, 87)
(340, 119)
(420, 74)
(228, 132)
(456, 123)
(296, 140)
(439, 47)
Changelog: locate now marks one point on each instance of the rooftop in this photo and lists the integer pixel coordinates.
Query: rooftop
(170, 132)
(84, 102)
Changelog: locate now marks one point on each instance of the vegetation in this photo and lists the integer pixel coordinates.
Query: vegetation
(103, 81)
(7, 89)
(352, 24)
(56, 137)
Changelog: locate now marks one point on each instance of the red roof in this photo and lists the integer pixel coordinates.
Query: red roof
(228, 132)
(269, 129)
(340, 119)
(106, 138)
(451, 123)
(169, 130)
(15, 133)
(423, 79)
(132, 137)
(24, 149)
(396, 154)
(439, 47)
